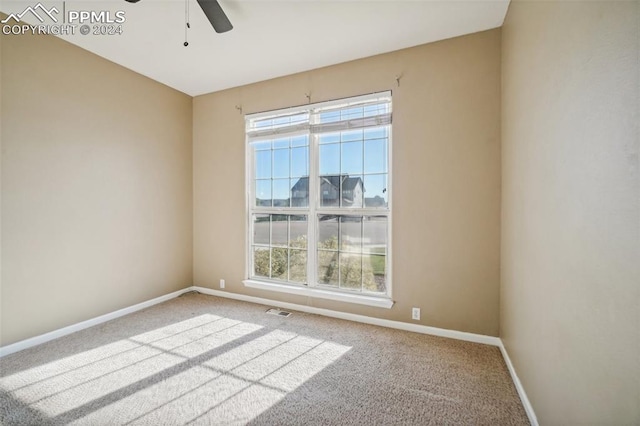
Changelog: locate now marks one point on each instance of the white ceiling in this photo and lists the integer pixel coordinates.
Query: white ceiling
(270, 38)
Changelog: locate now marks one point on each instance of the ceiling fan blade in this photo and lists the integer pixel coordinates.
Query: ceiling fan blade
(216, 15)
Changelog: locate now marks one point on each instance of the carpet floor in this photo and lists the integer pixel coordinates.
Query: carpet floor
(206, 360)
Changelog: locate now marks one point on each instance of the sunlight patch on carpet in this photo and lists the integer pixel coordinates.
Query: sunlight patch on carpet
(192, 371)
(37, 375)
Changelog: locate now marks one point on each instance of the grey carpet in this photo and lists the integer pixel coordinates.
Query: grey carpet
(206, 360)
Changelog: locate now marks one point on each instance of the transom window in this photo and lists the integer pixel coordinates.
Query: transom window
(319, 196)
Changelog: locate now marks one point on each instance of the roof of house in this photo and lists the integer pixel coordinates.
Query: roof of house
(348, 183)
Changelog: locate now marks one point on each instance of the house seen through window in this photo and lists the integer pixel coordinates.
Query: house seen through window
(319, 207)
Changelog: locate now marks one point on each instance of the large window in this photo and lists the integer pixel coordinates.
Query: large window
(319, 199)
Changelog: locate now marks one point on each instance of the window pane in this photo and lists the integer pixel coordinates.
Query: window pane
(298, 266)
(279, 121)
(300, 162)
(374, 230)
(351, 135)
(261, 229)
(374, 273)
(361, 252)
(351, 271)
(376, 190)
(352, 158)
(328, 232)
(263, 193)
(328, 267)
(261, 145)
(279, 263)
(263, 164)
(261, 262)
(330, 190)
(329, 159)
(352, 191)
(300, 141)
(300, 192)
(376, 133)
(298, 231)
(282, 121)
(375, 156)
(279, 230)
(280, 163)
(281, 143)
(281, 193)
(329, 116)
(262, 123)
(376, 109)
(351, 233)
(330, 137)
(351, 113)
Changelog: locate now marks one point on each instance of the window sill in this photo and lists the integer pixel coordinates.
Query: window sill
(360, 299)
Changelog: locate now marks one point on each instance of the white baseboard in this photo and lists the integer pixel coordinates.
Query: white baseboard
(416, 328)
(37, 340)
(528, 408)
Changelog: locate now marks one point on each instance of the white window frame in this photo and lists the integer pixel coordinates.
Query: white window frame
(311, 289)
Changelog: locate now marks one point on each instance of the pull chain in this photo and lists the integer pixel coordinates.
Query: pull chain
(187, 25)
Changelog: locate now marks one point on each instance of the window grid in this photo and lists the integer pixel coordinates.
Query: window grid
(366, 173)
(343, 250)
(290, 248)
(266, 181)
(314, 207)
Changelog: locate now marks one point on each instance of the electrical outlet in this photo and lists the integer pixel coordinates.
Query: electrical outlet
(221, 283)
(415, 313)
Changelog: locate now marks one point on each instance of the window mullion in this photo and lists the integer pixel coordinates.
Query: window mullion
(338, 252)
(289, 247)
(362, 251)
(312, 225)
(280, 210)
(353, 211)
(250, 177)
(270, 246)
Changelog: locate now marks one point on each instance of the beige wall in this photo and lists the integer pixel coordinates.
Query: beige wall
(446, 177)
(570, 297)
(96, 187)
